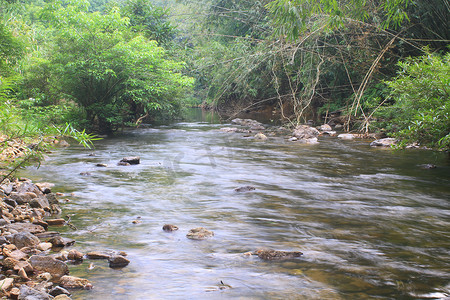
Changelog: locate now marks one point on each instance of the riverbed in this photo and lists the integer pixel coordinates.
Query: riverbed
(371, 223)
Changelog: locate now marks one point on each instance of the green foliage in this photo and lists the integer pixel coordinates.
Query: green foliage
(149, 20)
(421, 91)
(11, 49)
(112, 73)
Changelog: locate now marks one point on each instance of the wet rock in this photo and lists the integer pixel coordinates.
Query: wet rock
(132, 160)
(325, 127)
(47, 235)
(62, 255)
(346, 136)
(41, 223)
(75, 255)
(85, 173)
(118, 261)
(49, 264)
(6, 284)
(24, 239)
(305, 132)
(252, 124)
(293, 139)
(99, 254)
(260, 137)
(387, 142)
(51, 198)
(270, 254)
(229, 129)
(28, 293)
(428, 166)
(170, 227)
(311, 141)
(55, 222)
(330, 133)
(101, 165)
(247, 188)
(72, 282)
(122, 163)
(57, 290)
(40, 202)
(45, 187)
(199, 233)
(59, 241)
(44, 246)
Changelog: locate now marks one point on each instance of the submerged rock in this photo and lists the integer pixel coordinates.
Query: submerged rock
(428, 166)
(199, 233)
(269, 254)
(170, 227)
(260, 137)
(247, 188)
(132, 160)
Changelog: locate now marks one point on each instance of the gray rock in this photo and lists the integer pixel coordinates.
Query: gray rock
(118, 261)
(132, 160)
(7, 188)
(49, 264)
(26, 187)
(40, 202)
(199, 233)
(28, 293)
(387, 142)
(10, 201)
(99, 254)
(22, 198)
(51, 198)
(305, 132)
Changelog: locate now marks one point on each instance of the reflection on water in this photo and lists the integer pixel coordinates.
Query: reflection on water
(370, 222)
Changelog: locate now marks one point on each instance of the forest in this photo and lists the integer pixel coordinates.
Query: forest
(80, 67)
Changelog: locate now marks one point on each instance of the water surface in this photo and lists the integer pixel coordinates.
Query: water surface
(371, 223)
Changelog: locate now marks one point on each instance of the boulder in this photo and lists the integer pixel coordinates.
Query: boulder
(260, 137)
(22, 198)
(132, 160)
(325, 127)
(170, 227)
(346, 136)
(28, 293)
(387, 142)
(305, 132)
(49, 264)
(23, 239)
(40, 202)
(199, 233)
(72, 282)
(118, 261)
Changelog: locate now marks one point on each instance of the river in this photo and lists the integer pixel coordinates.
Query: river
(370, 222)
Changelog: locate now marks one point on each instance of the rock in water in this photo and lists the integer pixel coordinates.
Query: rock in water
(305, 132)
(260, 137)
(118, 261)
(170, 227)
(247, 188)
(72, 282)
(346, 136)
(199, 233)
(270, 254)
(325, 127)
(387, 142)
(132, 160)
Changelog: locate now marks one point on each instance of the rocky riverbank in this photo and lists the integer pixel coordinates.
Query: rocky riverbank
(35, 261)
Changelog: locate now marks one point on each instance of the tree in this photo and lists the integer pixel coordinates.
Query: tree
(113, 74)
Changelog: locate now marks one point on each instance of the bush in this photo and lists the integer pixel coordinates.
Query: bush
(421, 111)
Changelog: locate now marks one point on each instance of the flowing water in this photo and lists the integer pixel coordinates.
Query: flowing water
(371, 223)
